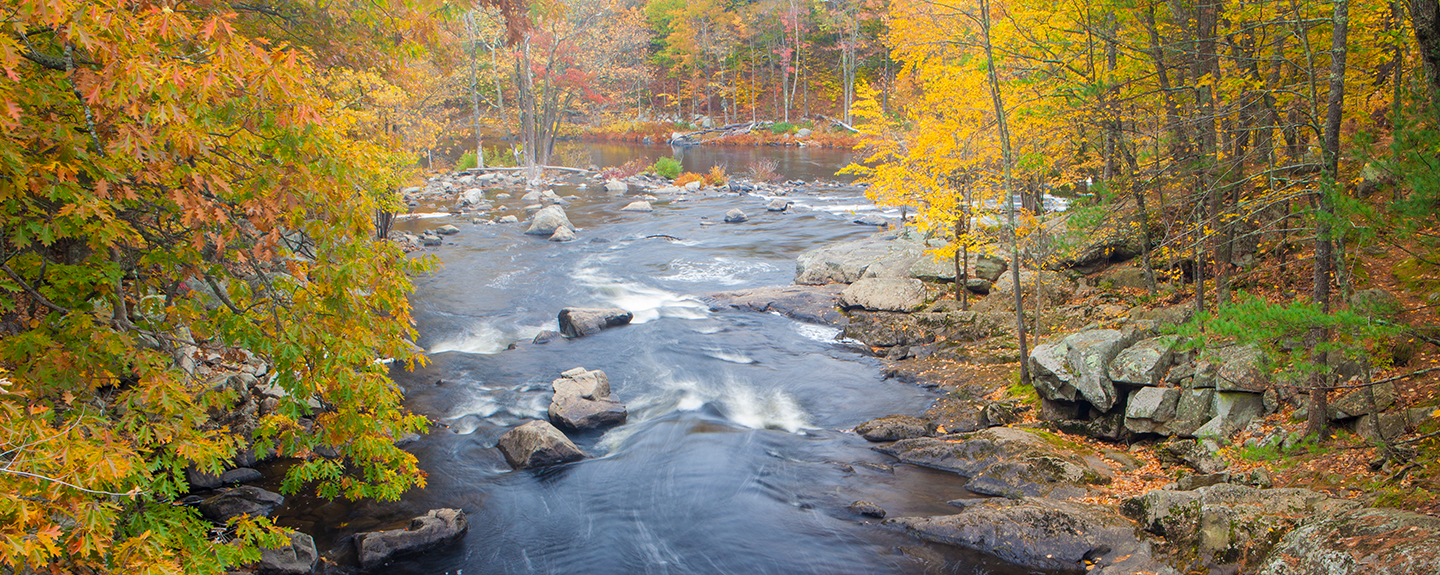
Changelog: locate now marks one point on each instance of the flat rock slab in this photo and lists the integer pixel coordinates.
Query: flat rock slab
(894, 428)
(434, 529)
(884, 294)
(1359, 541)
(849, 261)
(1003, 461)
(815, 304)
(1040, 534)
(537, 444)
(580, 322)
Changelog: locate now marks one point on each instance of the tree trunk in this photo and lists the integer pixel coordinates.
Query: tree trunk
(1006, 159)
(1425, 17)
(1318, 408)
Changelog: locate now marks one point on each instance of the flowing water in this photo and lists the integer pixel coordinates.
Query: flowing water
(735, 458)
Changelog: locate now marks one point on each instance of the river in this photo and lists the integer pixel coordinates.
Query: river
(735, 458)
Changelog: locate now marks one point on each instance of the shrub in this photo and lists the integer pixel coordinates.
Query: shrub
(781, 127)
(625, 170)
(466, 161)
(716, 177)
(688, 177)
(763, 169)
(667, 167)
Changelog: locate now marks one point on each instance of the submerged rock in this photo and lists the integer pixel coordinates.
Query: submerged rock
(537, 444)
(434, 529)
(580, 322)
(735, 216)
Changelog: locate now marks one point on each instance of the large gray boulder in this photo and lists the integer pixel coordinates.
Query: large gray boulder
(582, 401)
(1227, 523)
(537, 444)
(1238, 368)
(1040, 534)
(434, 529)
(1359, 541)
(988, 267)
(735, 216)
(1145, 362)
(246, 500)
(884, 294)
(1076, 367)
(295, 557)
(580, 322)
(547, 220)
(1057, 288)
(617, 187)
(1150, 408)
(847, 262)
(1233, 411)
(639, 206)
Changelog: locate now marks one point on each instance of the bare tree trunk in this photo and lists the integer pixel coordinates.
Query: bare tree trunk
(1005, 153)
(1425, 17)
(1318, 408)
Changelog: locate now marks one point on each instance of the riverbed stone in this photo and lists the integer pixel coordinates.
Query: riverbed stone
(1145, 362)
(437, 528)
(537, 444)
(1149, 408)
(1039, 534)
(245, 500)
(1004, 461)
(447, 230)
(735, 216)
(580, 322)
(815, 304)
(547, 220)
(895, 427)
(871, 220)
(297, 556)
(867, 508)
(884, 294)
(641, 206)
(508, 220)
(1369, 541)
(777, 205)
(582, 401)
(531, 197)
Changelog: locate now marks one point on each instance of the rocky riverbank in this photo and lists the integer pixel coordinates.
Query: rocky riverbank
(1122, 459)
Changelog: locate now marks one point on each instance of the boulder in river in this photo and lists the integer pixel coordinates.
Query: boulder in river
(582, 401)
(815, 304)
(537, 444)
(1039, 534)
(735, 216)
(884, 294)
(778, 205)
(508, 220)
(872, 220)
(562, 234)
(895, 427)
(617, 187)
(296, 557)
(641, 206)
(882, 255)
(580, 322)
(547, 220)
(249, 500)
(434, 529)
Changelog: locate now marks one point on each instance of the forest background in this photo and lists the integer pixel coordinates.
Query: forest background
(184, 179)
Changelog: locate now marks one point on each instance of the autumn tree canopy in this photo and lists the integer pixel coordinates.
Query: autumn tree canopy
(182, 179)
